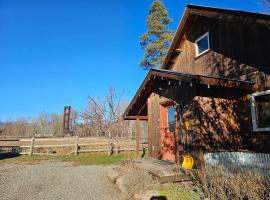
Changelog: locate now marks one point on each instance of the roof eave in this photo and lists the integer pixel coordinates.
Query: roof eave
(197, 79)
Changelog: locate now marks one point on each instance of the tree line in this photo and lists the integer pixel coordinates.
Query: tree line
(102, 117)
(43, 125)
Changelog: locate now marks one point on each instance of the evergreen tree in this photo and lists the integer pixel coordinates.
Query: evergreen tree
(267, 3)
(155, 42)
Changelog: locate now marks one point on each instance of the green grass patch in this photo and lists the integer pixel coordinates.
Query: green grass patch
(93, 159)
(180, 192)
(81, 159)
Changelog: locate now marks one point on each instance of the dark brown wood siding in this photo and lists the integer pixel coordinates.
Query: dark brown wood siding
(153, 126)
(220, 118)
(237, 51)
(219, 124)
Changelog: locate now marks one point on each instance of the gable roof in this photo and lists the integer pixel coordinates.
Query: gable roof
(154, 78)
(244, 17)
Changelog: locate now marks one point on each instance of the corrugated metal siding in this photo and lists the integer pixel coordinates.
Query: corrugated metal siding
(235, 161)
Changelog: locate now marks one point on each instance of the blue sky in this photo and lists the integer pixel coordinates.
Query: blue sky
(58, 52)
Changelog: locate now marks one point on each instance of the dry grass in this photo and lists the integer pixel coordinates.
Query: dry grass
(218, 185)
(135, 179)
(55, 150)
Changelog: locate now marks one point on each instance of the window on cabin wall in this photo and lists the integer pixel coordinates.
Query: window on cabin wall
(260, 110)
(202, 44)
(171, 119)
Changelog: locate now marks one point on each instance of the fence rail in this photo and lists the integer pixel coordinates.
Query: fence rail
(74, 144)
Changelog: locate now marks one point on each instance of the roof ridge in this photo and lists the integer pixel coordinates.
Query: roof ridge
(225, 9)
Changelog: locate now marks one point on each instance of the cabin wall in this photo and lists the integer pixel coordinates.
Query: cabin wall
(219, 119)
(237, 51)
(185, 62)
(217, 123)
(183, 94)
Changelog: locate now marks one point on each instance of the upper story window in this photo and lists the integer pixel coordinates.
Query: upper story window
(260, 111)
(202, 44)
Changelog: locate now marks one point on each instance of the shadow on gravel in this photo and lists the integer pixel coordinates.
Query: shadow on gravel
(158, 198)
(7, 152)
(4, 156)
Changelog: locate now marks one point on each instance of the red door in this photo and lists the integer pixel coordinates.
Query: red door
(167, 122)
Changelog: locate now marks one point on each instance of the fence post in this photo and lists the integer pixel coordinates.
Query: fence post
(116, 148)
(109, 144)
(76, 145)
(32, 146)
(138, 136)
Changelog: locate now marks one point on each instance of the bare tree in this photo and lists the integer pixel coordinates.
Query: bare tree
(102, 117)
(102, 114)
(43, 125)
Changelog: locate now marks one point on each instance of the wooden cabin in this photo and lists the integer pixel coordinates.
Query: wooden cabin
(212, 92)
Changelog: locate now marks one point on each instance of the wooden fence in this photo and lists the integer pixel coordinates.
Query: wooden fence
(70, 145)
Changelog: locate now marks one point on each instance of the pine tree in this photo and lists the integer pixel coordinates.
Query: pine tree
(267, 3)
(155, 42)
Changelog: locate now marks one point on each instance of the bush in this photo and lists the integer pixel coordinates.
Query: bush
(134, 179)
(218, 185)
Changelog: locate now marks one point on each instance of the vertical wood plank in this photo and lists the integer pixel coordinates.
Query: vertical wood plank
(154, 126)
(138, 136)
(177, 137)
(149, 109)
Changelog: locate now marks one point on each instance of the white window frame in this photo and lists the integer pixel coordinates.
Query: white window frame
(196, 44)
(253, 111)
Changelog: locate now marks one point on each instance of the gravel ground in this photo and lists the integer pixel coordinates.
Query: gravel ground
(55, 180)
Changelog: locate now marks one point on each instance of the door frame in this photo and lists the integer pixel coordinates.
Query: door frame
(166, 104)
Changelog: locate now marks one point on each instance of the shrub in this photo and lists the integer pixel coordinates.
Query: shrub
(135, 179)
(218, 185)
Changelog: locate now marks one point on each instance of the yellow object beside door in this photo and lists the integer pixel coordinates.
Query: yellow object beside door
(188, 162)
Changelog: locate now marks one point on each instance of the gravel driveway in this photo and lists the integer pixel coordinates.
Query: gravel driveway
(55, 180)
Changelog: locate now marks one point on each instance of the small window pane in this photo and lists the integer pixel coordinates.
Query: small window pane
(262, 105)
(202, 44)
(171, 119)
